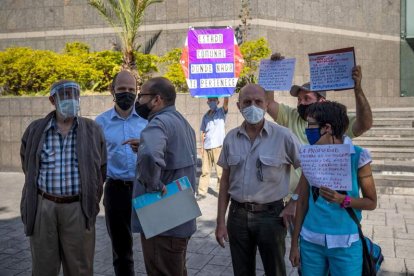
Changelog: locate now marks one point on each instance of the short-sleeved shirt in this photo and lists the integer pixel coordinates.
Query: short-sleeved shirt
(273, 152)
(214, 129)
(289, 117)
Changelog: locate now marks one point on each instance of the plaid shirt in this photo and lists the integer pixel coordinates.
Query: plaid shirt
(59, 169)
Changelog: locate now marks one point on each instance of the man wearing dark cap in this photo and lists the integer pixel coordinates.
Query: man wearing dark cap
(64, 161)
(294, 118)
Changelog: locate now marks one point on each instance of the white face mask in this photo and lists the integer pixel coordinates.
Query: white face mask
(68, 108)
(253, 114)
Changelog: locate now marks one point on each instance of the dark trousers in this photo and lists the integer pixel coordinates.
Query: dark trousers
(164, 256)
(251, 230)
(118, 206)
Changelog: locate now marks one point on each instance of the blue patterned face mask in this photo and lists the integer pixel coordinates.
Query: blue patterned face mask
(253, 114)
(68, 108)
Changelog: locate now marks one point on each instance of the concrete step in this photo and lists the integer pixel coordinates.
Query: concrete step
(392, 153)
(394, 122)
(392, 178)
(396, 132)
(394, 183)
(371, 142)
(402, 112)
(392, 166)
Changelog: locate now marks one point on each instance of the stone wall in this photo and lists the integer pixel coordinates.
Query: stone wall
(17, 113)
(293, 28)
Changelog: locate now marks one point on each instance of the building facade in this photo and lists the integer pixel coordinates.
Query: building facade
(376, 28)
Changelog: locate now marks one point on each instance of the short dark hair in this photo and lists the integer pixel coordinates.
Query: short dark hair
(332, 113)
(163, 87)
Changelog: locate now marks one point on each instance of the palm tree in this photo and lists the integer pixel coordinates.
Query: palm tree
(125, 16)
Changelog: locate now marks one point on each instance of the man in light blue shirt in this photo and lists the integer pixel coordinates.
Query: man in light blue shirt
(212, 137)
(122, 129)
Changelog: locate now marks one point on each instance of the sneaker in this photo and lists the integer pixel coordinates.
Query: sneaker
(200, 197)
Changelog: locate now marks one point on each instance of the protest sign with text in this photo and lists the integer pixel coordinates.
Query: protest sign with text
(332, 70)
(211, 61)
(327, 166)
(276, 74)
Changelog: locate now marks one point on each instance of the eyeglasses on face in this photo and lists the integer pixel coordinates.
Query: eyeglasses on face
(259, 172)
(144, 94)
(312, 124)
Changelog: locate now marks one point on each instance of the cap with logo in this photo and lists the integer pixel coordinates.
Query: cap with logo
(294, 91)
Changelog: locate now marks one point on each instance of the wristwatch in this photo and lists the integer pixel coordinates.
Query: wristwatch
(294, 197)
(347, 202)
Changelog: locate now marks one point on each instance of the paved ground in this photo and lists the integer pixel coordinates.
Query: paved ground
(391, 224)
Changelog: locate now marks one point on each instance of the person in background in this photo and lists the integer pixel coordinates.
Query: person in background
(122, 127)
(212, 136)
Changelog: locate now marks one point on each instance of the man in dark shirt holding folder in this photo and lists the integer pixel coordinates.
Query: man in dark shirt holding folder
(167, 152)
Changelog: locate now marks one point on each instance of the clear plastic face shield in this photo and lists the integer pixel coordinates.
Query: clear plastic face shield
(67, 99)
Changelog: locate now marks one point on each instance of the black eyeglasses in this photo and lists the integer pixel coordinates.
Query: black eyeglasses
(313, 124)
(144, 94)
(259, 172)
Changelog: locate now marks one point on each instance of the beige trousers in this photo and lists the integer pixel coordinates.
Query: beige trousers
(210, 158)
(60, 238)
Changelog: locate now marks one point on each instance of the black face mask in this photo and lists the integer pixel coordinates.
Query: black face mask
(124, 100)
(302, 110)
(143, 110)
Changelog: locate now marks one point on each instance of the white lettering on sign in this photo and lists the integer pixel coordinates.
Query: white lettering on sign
(210, 38)
(192, 84)
(211, 53)
(201, 68)
(221, 82)
(224, 68)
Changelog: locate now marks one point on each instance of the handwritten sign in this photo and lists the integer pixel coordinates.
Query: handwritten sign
(327, 165)
(211, 61)
(276, 75)
(332, 70)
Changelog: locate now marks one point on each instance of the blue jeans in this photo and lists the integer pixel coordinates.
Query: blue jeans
(251, 230)
(317, 260)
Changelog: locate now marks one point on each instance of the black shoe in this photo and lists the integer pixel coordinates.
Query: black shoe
(200, 197)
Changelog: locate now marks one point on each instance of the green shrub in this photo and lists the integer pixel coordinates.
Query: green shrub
(24, 71)
(253, 52)
(173, 71)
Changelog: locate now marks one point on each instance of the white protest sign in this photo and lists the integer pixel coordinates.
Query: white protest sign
(276, 74)
(332, 70)
(327, 165)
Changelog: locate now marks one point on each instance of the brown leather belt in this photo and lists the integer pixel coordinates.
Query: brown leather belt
(58, 199)
(119, 181)
(256, 207)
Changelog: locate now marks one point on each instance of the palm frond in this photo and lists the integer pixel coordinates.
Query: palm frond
(151, 42)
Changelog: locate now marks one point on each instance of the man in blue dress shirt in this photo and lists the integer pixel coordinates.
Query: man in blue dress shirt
(122, 129)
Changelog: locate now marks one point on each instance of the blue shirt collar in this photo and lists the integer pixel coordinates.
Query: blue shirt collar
(115, 114)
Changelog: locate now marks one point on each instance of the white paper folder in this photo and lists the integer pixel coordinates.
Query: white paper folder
(159, 214)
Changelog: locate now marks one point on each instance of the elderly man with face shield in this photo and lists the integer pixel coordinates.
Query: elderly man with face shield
(256, 159)
(122, 127)
(64, 161)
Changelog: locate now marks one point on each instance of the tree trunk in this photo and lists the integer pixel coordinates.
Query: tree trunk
(129, 63)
